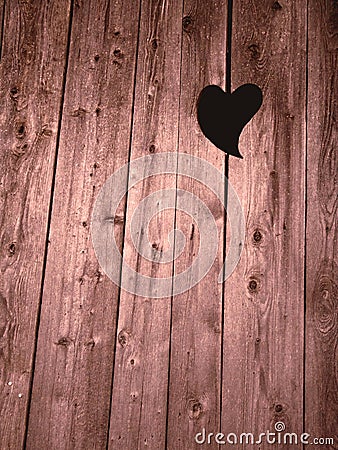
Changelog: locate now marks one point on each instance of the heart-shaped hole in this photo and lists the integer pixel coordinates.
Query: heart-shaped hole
(222, 116)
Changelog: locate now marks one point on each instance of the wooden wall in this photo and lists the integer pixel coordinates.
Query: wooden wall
(87, 86)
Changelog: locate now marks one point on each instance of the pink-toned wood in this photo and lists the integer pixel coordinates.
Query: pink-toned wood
(133, 75)
(139, 402)
(2, 24)
(321, 403)
(264, 298)
(195, 366)
(31, 80)
(72, 380)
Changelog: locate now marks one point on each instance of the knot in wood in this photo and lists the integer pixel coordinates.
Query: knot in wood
(253, 285)
(187, 23)
(195, 409)
(123, 338)
(254, 49)
(257, 237)
(278, 408)
(154, 44)
(276, 6)
(326, 294)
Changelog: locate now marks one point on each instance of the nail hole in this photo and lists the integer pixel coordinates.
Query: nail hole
(90, 344)
(20, 130)
(64, 341)
(14, 92)
(12, 249)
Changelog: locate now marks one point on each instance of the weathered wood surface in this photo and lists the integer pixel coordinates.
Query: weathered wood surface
(142, 352)
(228, 358)
(2, 24)
(31, 81)
(264, 298)
(72, 381)
(195, 367)
(321, 403)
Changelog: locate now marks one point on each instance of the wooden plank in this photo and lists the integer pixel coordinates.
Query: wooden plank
(72, 381)
(139, 398)
(2, 25)
(195, 370)
(31, 83)
(264, 298)
(321, 405)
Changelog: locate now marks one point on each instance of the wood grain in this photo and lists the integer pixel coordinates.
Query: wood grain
(31, 80)
(84, 87)
(195, 369)
(139, 402)
(2, 25)
(321, 406)
(264, 298)
(72, 381)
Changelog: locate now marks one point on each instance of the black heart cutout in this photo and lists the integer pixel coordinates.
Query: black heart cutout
(222, 116)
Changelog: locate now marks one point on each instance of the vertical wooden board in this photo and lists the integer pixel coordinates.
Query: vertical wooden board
(321, 405)
(264, 298)
(195, 369)
(31, 83)
(72, 381)
(139, 397)
(2, 24)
